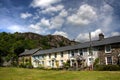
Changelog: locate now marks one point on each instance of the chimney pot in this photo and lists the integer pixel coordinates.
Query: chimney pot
(101, 36)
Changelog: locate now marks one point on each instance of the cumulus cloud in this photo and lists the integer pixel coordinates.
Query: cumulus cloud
(82, 37)
(94, 34)
(57, 21)
(16, 28)
(36, 28)
(40, 27)
(115, 33)
(105, 17)
(44, 23)
(43, 3)
(25, 15)
(53, 9)
(61, 33)
(64, 20)
(85, 15)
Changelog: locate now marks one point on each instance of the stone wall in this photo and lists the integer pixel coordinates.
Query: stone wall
(115, 51)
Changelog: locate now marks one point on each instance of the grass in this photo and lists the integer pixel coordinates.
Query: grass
(35, 74)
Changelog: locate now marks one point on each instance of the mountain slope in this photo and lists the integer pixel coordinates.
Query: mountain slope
(48, 41)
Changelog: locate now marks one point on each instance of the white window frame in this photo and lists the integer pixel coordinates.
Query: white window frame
(106, 48)
(107, 60)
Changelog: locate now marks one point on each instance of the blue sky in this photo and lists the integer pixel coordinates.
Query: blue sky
(73, 19)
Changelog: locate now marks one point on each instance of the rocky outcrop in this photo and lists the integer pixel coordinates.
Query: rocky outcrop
(52, 40)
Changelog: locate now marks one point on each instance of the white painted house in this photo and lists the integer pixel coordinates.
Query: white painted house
(106, 49)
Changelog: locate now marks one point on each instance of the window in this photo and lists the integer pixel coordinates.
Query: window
(90, 51)
(108, 60)
(76, 51)
(80, 52)
(72, 53)
(42, 56)
(49, 55)
(55, 55)
(61, 54)
(69, 53)
(61, 62)
(107, 49)
(42, 62)
(49, 63)
(85, 50)
(52, 63)
(91, 59)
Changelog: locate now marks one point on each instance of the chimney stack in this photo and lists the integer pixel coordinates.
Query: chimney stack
(101, 36)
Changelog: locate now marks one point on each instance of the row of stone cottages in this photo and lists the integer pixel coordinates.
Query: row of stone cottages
(107, 50)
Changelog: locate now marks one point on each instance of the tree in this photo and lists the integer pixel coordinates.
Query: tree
(18, 50)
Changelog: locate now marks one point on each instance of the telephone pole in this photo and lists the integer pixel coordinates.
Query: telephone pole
(90, 51)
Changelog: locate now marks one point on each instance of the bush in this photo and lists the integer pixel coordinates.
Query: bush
(66, 65)
(107, 68)
(22, 65)
(27, 65)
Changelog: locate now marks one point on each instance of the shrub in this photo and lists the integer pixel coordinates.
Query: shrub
(66, 65)
(22, 65)
(107, 67)
(27, 65)
(96, 62)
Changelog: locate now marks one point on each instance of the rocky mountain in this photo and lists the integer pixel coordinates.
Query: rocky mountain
(47, 41)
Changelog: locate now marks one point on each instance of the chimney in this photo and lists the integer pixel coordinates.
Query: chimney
(101, 36)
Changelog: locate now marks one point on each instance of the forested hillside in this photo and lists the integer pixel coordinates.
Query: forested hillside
(11, 45)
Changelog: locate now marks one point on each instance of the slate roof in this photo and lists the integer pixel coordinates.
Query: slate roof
(28, 52)
(105, 41)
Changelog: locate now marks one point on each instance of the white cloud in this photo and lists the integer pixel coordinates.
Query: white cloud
(57, 21)
(53, 9)
(94, 34)
(61, 33)
(105, 18)
(36, 17)
(36, 28)
(16, 28)
(85, 15)
(106, 9)
(40, 27)
(63, 13)
(43, 3)
(25, 15)
(44, 22)
(53, 23)
(82, 37)
(115, 33)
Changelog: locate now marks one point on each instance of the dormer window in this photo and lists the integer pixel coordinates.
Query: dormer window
(108, 49)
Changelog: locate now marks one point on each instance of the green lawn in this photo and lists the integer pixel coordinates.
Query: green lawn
(35, 74)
